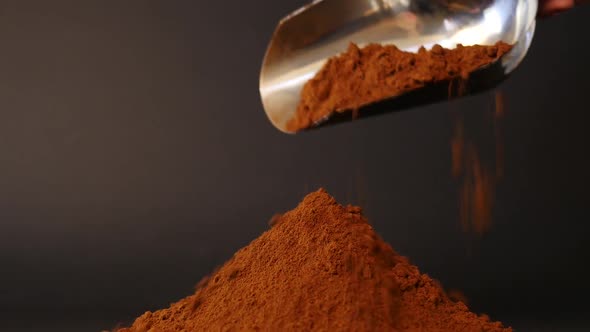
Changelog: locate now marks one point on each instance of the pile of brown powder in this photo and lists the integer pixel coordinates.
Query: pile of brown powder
(361, 76)
(320, 267)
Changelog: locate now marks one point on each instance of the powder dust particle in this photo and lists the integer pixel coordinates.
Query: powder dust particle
(321, 267)
(361, 76)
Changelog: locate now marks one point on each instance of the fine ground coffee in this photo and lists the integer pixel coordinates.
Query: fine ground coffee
(361, 76)
(320, 267)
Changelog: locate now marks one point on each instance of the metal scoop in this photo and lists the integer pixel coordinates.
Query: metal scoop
(304, 40)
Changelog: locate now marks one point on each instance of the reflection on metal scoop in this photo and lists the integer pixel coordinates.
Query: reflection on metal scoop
(308, 37)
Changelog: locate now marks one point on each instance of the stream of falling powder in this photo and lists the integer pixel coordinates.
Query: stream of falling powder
(477, 181)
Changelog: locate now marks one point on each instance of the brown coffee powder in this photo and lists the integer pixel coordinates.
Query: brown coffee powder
(477, 180)
(320, 267)
(361, 76)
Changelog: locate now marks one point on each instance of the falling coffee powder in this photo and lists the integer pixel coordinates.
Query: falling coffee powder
(477, 180)
(320, 267)
(362, 76)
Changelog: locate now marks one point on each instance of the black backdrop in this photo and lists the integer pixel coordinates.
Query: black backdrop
(135, 157)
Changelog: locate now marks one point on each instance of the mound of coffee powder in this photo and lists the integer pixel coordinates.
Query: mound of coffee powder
(361, 76)
(320, 267)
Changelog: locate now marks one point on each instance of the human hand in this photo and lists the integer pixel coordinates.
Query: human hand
(552, 7)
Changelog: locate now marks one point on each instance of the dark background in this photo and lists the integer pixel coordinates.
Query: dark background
(135, 156)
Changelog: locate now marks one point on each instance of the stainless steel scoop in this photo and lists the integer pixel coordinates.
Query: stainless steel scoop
(304, 40)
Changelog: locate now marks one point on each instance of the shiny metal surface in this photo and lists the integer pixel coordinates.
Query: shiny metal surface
(305, 39)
